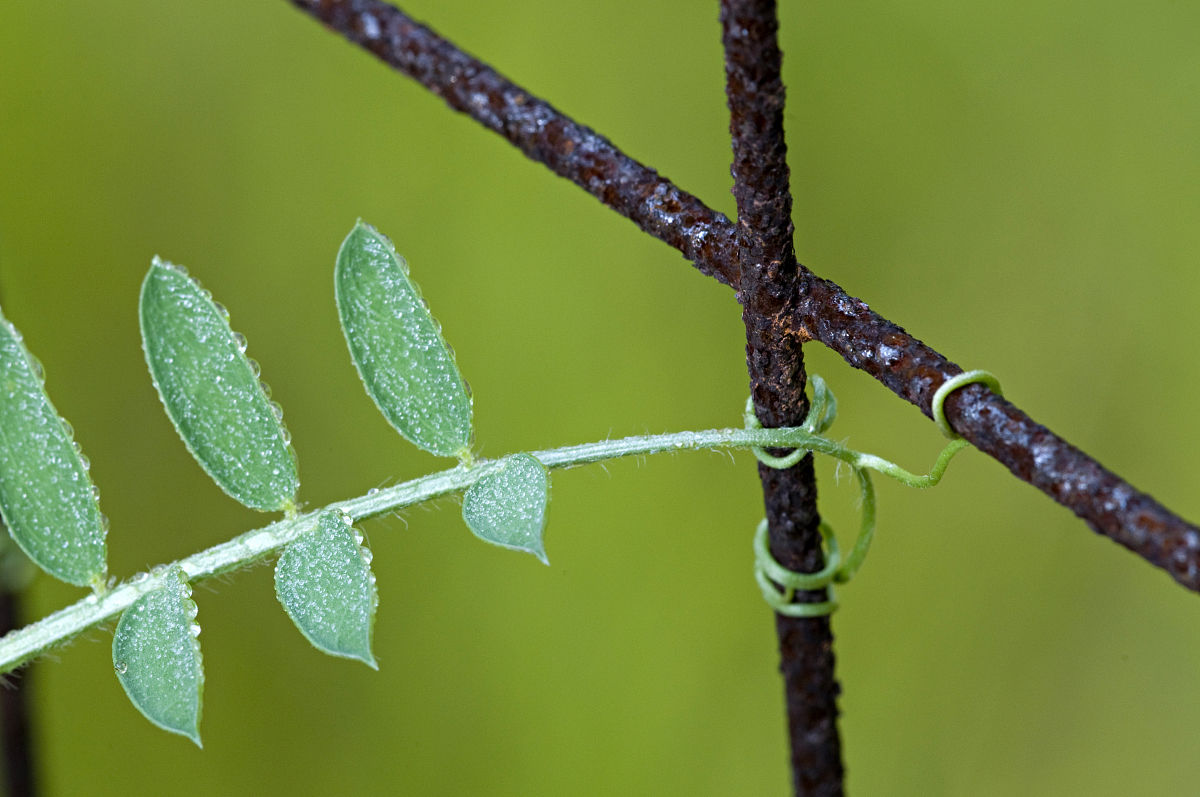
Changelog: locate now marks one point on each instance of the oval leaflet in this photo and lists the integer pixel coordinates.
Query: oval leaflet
(211, 391)
(397, 347)
(46, 496)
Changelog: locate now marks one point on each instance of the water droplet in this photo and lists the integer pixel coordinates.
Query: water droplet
(121, 667)
(287, 437)
(373, 491)
(240, 339)
(84, 461)
(68, 428)
(194, 630)
(255, 368)
(138, 578)
(277, 411)
(36, 365)
(221, 309)
(367, 556)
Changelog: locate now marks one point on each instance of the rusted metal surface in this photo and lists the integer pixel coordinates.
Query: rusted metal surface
(806, 658)
(997, 427)
(566, 147)
(768, 286)
(820, 309)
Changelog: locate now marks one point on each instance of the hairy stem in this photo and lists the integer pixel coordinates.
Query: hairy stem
(33, 640)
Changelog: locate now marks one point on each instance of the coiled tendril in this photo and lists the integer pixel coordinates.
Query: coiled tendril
(778, 584)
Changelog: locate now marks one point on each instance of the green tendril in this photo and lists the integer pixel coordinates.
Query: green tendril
(769, 573)
(779, 584)
(938, 405)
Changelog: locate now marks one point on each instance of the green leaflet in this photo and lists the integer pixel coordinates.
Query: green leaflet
(398, 348)
(157, 657)
(325, 584)
(211, 391)
(47, 500)
(507, 506)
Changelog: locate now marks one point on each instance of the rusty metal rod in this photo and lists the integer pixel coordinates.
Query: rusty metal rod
(822, 311)
(533, 126)
(769, 274)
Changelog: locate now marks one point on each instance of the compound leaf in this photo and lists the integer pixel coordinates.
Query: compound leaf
(46, 498)
(157, 656)
(211, 391)
(398, 348)
(325, 584)
(507, 506)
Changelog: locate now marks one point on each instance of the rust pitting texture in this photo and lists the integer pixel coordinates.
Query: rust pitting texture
(1104, 501)
(536, 128)
(1033, 453)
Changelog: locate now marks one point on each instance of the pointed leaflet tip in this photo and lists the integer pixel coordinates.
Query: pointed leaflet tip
(46, 497)
(157, 657)
(507, 506)
(325, 584)
(211, 391)
(397, 347)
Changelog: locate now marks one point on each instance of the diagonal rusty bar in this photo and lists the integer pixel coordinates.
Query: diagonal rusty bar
(769, 276)
(533, 126)
(822, 310)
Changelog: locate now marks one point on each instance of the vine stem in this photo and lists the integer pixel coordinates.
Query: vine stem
(33, 640)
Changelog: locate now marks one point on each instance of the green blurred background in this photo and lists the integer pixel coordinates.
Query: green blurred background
(1015, 183)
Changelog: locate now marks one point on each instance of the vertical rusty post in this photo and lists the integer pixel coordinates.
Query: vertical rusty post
(769, 283)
